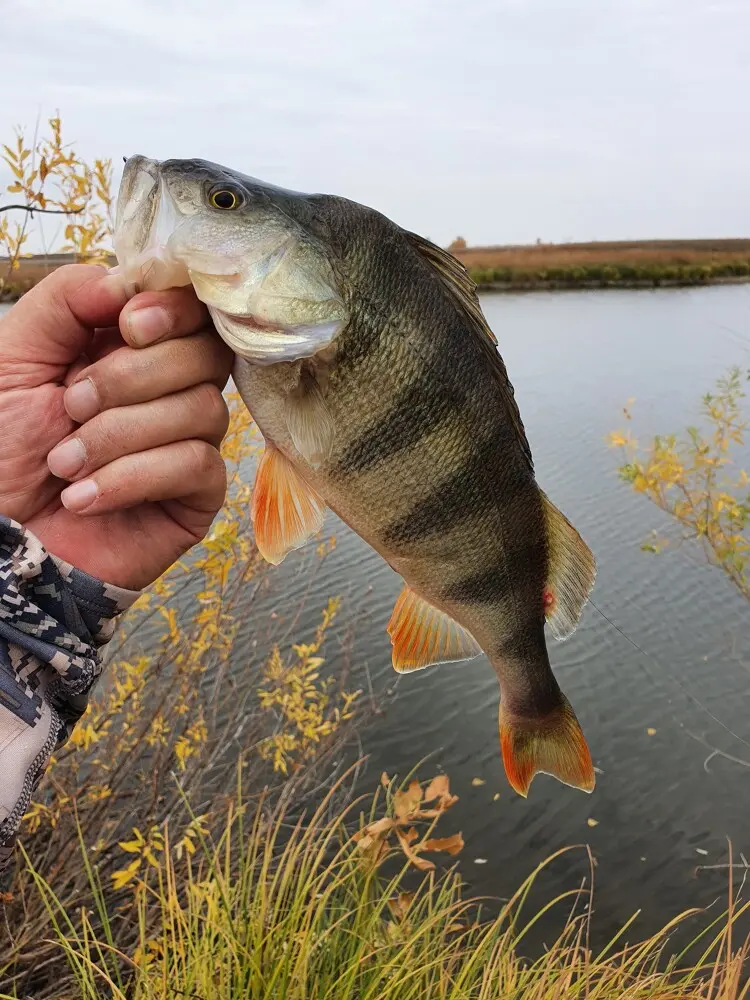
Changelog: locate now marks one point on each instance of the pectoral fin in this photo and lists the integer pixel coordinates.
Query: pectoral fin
(286, 512)
(571, 573)
(309, 422)
(422, 635)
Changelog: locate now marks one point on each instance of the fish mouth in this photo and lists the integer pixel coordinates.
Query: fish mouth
(266, 344)
(146, 219)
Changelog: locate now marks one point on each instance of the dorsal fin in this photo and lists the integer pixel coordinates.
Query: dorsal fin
(463, 292)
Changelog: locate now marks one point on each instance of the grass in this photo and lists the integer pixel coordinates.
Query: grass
(327, 908)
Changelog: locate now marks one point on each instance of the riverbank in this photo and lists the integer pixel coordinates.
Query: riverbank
(648, 264)
(539, 266)
(570, 282)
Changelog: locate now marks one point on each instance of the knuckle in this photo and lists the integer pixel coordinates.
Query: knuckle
(207, 461)
(210, 402)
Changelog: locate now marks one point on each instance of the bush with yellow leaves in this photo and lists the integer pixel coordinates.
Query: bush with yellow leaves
(179, 704)
(50, 178)
(696, 479)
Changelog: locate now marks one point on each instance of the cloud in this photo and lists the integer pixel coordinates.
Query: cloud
(503, 120)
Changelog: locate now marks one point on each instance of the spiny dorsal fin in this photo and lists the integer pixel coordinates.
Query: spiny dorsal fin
(456, 280)
(571, 572)
(421, 635)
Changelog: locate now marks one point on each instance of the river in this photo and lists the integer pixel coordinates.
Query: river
(657, 812)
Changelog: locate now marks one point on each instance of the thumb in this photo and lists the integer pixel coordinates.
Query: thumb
(53, 323)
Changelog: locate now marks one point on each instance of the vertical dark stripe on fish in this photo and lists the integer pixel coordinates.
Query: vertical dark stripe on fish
(465, 494)
(412, 416)
(485, 587)
(495, 583)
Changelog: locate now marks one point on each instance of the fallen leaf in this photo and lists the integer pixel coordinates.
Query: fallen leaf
(496, 796)
(400, 904)
(451, 845)
(699, 850)
(422, 864)
(651, 732)
(476, 782)
(480, 861)
(592, 822)
(376, 829)
(405, 803)
(439, 788)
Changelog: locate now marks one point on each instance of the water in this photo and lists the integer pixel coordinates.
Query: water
(575, 358)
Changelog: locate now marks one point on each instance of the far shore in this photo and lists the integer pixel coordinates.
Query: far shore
(538, 266)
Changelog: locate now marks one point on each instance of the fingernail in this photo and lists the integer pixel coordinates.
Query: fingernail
(82, 401)
(67, 458)
(148, 324)
(79, 496)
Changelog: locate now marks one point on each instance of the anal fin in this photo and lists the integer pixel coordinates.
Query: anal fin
(572, 570)
(421, 635)
(286, 512)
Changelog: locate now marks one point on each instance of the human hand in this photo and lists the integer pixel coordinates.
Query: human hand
(111, 417)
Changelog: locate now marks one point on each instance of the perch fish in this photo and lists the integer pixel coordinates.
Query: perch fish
(363, 356)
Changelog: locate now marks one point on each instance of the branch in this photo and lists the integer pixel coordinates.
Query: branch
(42, 211)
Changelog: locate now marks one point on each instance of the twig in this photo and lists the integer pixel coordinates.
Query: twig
(42, 211)
(744, 865)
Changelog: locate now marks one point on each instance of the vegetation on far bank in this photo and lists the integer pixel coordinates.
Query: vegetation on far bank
(650, 263)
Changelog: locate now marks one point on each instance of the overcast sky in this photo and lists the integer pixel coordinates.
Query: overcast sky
(499, 120)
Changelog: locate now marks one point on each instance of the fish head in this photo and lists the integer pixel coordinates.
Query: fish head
(257, 255)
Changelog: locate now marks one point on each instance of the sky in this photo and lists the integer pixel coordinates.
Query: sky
(502, 121)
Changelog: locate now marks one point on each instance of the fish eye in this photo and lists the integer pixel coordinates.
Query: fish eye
(224, 198)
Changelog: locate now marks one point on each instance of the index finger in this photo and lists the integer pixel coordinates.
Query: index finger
(151, 317)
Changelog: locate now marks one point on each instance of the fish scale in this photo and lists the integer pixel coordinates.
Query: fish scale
(365, 360)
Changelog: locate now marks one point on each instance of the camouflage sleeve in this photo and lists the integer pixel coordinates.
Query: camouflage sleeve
(53, 621)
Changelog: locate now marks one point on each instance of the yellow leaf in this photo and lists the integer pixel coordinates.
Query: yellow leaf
(450, 845)
(651, 732)
(125, 875)
(405, 803)
(592, 822)
(131, 846)
(476, 782)
(422, 864)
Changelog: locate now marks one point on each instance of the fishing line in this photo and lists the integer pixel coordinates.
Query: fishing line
(671, 676)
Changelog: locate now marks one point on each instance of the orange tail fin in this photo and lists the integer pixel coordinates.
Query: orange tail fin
(553, 744)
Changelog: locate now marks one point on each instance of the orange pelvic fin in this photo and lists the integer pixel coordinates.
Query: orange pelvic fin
(422, 635)
(553, 744)
(286, 511)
